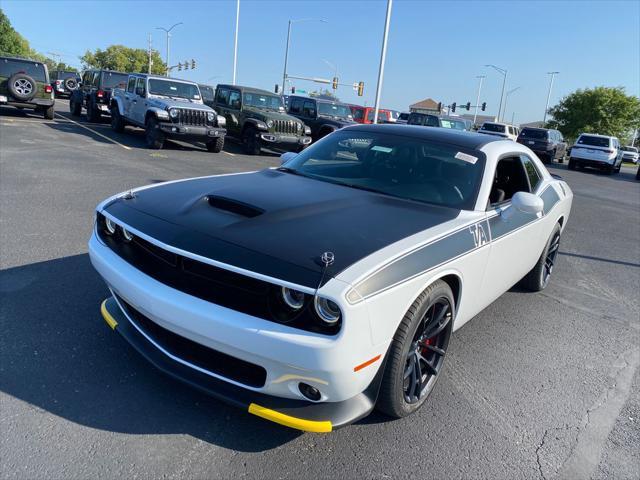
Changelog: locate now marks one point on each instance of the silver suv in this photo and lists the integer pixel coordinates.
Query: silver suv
(166, 108)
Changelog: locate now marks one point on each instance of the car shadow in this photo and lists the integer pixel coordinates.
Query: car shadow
(58, 355)
(14, 112)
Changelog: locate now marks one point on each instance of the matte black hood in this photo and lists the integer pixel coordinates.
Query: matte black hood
(275, 223)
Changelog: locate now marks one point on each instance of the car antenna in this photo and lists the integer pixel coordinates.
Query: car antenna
(327, 259)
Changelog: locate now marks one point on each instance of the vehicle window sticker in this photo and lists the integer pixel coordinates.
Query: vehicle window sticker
(465, 157)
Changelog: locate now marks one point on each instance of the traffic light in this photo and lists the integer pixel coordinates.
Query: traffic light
(484, 106)
(179, 66)
(453, 107)
(360, 89)
(276, 89)
(293, 90)
(186, 64)
(335, 83)
(468, 106)
(193, 64)
(439, 107)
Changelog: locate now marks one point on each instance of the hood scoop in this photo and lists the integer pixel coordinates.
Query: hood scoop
(234, 206)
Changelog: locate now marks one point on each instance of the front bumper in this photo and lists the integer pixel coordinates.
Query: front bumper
(282, 140)
(191, 132)
(298, 414)
(287, 355)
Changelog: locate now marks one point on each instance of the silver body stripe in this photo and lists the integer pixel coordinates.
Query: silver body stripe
(446, 249)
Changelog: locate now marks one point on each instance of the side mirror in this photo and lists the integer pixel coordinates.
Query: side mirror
(286, 156)
(526, 202)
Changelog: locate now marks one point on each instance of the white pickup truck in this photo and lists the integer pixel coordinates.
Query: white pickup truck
(166, 108)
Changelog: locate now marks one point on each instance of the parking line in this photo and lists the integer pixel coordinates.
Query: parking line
(229, 153)
(93, 131)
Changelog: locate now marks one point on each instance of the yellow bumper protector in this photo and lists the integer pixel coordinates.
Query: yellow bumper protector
(289, 421)
(107, 316)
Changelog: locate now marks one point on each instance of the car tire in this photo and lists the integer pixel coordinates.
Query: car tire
(117, 122)
(420, 342)
(153, 136)
(22, 87)
(538, 278)
(92, 115)
(572, 164)
(216, 145)
(251, 142)
(75, 108)
(561, 159)
(48, 113)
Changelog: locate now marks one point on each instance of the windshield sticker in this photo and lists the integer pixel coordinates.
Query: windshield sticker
(466, 158)
(378, 148)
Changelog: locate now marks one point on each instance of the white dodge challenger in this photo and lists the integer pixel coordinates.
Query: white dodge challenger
(311, 293)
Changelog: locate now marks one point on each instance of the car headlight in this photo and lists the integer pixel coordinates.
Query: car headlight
(307, 130)
(269, 123)
(173, 113)
(110, 226)
(222, 121)
(127, 235)
(327, 310)
(293, 298)
(211, 116)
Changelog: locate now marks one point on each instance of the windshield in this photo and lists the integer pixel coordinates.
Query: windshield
(423, 119)
(172, 88)
(455, 124)
(630, 149)
(207, 93)
(382, 115)
(593, 141)
(493, 127)
(270, 102)
(65, 75)
(114, 80)
(396, 165)
(334, 110)
(534, 134)
(403, 116)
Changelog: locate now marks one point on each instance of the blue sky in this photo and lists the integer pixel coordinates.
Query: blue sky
(436, 49)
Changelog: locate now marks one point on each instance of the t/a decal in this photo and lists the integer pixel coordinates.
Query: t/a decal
(478, 234)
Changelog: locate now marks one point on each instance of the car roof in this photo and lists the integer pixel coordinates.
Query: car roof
(247, 89)
(469, 140)
(537, 128)
(22, 59)
(597, 135)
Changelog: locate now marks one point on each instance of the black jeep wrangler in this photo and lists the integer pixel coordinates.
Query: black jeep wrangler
(94, 93)
(64, 82)
(322, 116)
(208, 94)
(25, 84)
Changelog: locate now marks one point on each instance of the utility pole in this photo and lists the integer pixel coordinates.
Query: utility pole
(286, 50)
(504, 111)
(383, 56)
(235, 43)
(503, 72)
(475, 115)
(168, 32)
(544, 119)
(149, 51)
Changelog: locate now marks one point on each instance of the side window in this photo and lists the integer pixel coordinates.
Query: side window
(431, 121)
(532, 172)
(296, 106)
(140, 90)
(87, 79)
(222, 96)
(309, 109)
(95, 79)
(358, 114)
(234, 99)
(131, 85)
(510, 177)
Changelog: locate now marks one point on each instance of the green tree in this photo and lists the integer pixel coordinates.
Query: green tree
(124, 59)
(11, 42)
(603, 110)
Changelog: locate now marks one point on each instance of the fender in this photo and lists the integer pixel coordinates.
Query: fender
(117, 101)
(257, 124)
(159, 113)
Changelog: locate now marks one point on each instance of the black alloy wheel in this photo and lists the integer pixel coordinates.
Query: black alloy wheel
(426, 355)
(550, 259)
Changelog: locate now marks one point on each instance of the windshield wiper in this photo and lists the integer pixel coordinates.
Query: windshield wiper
(290, 170)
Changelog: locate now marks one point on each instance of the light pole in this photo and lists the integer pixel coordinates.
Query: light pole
(507, 98)
(503, 72)
(553, 74)
(383, 55)
(475, 115)
(286, 51)
(235, 43)
(168, 32)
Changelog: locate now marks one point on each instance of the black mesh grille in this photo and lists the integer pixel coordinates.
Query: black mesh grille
(204, 357)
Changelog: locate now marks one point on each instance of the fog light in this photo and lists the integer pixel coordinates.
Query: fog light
(174, 129)
(312, 393)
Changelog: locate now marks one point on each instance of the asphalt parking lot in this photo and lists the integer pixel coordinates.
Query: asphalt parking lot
(536, 386)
